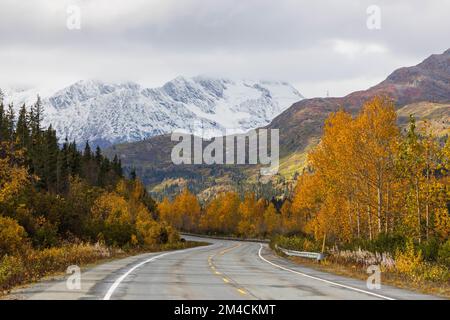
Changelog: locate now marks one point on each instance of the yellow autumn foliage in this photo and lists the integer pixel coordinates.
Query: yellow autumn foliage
(13, 177)
(12, 236)
(111, 208)
(408, 260)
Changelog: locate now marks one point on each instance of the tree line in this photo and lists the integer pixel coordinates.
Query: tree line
(51, 164)
(51, 194)
(229, 213)
(366, 180)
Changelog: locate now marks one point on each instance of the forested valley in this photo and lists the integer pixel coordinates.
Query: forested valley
(60, 206)
(369, 194)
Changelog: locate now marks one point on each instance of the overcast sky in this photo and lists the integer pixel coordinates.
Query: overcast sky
(318, 46)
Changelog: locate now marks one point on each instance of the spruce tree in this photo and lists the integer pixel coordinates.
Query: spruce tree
(98, 155)
(36, 117)
(10, 123)
(117, 166)
(51, 160)
(22, 129)
(37, 146)
(103, 171)
(3, 123)
(87, 154)
(63, 170)
(74, 159)
(2, 116)
(120, 169)
(133, 175)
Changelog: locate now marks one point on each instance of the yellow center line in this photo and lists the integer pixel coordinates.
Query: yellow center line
(229, 249)
(242, 291)
(214, 268)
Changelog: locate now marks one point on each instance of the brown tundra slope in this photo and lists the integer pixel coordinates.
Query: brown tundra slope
(423, 89)
(429, 81)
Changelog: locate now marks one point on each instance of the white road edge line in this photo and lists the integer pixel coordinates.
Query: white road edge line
(122, 277)
(320, 279)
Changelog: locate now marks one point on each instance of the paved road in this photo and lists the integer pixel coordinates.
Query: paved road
(223, 270)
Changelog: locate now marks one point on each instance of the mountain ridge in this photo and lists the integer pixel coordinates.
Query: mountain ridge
(427, 81)
(109, 113)
(300, 126)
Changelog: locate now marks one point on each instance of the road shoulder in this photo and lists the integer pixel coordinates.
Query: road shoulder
(315, 270)
(54, 287)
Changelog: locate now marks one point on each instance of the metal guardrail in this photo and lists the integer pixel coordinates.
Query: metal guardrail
(224, 238)
(304, 254)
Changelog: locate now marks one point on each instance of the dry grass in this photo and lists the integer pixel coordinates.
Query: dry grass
(437, 115)
(387, 277)
(33, 265)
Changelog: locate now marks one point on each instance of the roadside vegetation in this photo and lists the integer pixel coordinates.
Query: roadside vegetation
(370, 193)
(401, 262)
(60, 206)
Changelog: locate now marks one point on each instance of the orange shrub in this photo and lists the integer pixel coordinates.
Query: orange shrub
(12, 236)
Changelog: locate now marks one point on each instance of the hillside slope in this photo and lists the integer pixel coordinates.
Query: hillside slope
(423, 90)
(428, 81)
(109, 113)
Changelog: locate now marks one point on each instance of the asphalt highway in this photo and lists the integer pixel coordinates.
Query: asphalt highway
(231, 270)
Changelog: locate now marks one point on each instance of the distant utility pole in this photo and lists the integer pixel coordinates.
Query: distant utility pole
(328, 94)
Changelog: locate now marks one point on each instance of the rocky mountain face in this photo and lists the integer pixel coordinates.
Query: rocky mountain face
(426, 85)
(109, 113)
(428, 81)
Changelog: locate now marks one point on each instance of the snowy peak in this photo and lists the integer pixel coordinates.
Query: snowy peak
(109, 113)
(86, 89)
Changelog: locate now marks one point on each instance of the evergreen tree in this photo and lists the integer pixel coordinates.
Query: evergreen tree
(22, 129)
(74, 159)
(87, 152)
(98, 155)
(3, 122)
(133, 174)
(37, 146)
(2, 116)
(51, 159)
(117, 166)
(63, 170)
(89, 166)
(103, 172)
(36, 116)
(9, 123)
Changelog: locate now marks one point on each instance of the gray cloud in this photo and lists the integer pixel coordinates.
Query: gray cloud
(317, 45)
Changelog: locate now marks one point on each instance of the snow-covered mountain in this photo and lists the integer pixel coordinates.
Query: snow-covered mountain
(109, 113)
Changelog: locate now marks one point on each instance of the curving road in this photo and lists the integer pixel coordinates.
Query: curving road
(225, 269)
